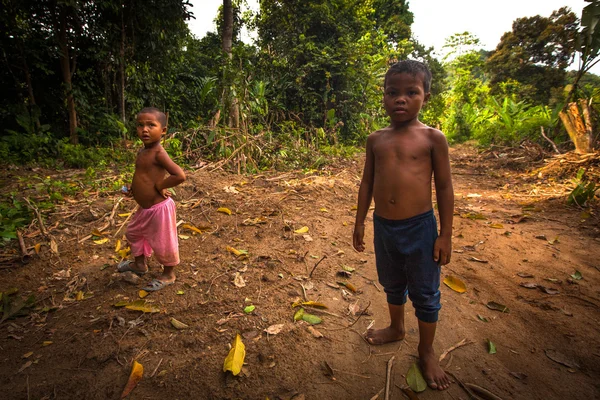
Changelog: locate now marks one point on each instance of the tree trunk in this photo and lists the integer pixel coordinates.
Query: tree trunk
(234, 112)
(65, 66)
(578, 125)
(29, 85)
(122, 69)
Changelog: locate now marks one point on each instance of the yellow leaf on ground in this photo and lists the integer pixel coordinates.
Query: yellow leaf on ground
(96, 232)
(304, 229)
(496, 226)
(79, 296)
(37, 248)
(191, 228)
(235, 359)
(455, 284)
(314, 304)
(47, 343)
(137, 371)
(118, 246)
(324, 210)
(141, 305)
(142, 293)
(101, 241)
(183, 237)
(124, 252)
(178, 324)
(224, 210)
(124, 215)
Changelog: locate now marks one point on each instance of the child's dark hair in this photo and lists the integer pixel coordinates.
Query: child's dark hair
(161, 116)
(412, 67)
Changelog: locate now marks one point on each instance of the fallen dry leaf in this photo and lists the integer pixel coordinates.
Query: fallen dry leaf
(224, 210)
(455, 284)
(315, 332)
(274, 329)
(235, 359)
(137, 371)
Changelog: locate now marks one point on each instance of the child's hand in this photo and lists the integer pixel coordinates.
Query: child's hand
(166, 193)
(357, 238)
(442, 249)
(126, 190)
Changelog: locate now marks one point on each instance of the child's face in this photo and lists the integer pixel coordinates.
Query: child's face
(404, 96)
(149, 128)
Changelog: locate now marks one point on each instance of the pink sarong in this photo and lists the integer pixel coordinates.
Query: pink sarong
(155, 228)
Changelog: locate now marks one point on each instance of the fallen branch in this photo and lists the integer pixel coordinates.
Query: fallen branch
(126, 220)
(463, 342)
(483, 393)
(549, 141)
(377, 395)
(315, 267)
(25, 254)
(462, 385)
(388, 378)
(38, 216)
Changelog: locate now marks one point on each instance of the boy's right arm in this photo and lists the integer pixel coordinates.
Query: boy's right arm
(365, 194)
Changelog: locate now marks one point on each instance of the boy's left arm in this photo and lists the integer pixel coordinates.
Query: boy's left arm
(176, 174)
(445, 198)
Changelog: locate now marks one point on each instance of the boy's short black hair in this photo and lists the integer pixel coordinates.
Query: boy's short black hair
(161, 116)
(412, 67)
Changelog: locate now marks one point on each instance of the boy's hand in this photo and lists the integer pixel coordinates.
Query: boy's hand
(442, 249)
(357, 238)
(166, 193)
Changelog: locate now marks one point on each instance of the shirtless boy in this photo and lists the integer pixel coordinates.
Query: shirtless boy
(154, 226)
(400, 161)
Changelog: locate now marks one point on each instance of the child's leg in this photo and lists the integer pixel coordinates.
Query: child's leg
(168, 274)
(434, 375)
(393, 332)
(140, 264)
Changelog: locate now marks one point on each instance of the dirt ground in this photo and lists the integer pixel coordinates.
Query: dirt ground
(512, 226)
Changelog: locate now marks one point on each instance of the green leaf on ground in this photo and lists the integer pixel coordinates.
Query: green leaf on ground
(577, 275)
(491, 347)
(415, 379)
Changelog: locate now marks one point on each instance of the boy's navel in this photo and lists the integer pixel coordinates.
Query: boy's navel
(393, 201)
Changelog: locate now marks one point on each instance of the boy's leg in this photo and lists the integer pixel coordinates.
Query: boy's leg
(168, 274)
(140, 264)
(392, 333)
(434, 375)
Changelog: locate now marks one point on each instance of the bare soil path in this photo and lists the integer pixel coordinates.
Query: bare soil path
(511, 227)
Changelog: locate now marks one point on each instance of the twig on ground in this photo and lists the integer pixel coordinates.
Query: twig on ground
(377, 395)
(481, 392)
(407, 392)
(126, 220)
(388, 377)
(463, 342)
(156, 369)
(316, 265)
(38, 216)
(462, 385)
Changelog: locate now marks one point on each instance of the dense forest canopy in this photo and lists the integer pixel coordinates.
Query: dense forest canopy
(76, 72)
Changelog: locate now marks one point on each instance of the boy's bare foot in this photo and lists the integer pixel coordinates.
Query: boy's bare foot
(385, 335)
(434, 375)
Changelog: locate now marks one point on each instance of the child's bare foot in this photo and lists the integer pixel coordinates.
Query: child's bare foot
(434, 375)
(385, 335)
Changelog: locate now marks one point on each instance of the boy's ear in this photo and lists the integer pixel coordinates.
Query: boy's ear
(164, 130)
(427, 96)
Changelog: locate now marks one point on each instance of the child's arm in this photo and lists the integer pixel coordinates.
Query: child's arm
(176, 174)
(445, 198)
(365, 194)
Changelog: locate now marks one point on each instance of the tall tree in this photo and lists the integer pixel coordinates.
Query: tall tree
(534, 54)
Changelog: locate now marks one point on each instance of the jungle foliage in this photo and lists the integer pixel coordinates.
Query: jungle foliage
(75, 72)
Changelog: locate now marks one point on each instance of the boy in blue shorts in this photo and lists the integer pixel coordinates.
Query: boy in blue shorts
(400, 162)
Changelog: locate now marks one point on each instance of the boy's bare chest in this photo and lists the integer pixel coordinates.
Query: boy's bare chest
(403, 151)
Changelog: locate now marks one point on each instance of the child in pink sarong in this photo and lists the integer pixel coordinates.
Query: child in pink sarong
(153, 227)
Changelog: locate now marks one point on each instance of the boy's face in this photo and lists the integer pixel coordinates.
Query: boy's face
(404, 96)
(149, 128)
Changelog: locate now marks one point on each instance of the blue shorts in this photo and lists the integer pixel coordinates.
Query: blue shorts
(405, 265)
